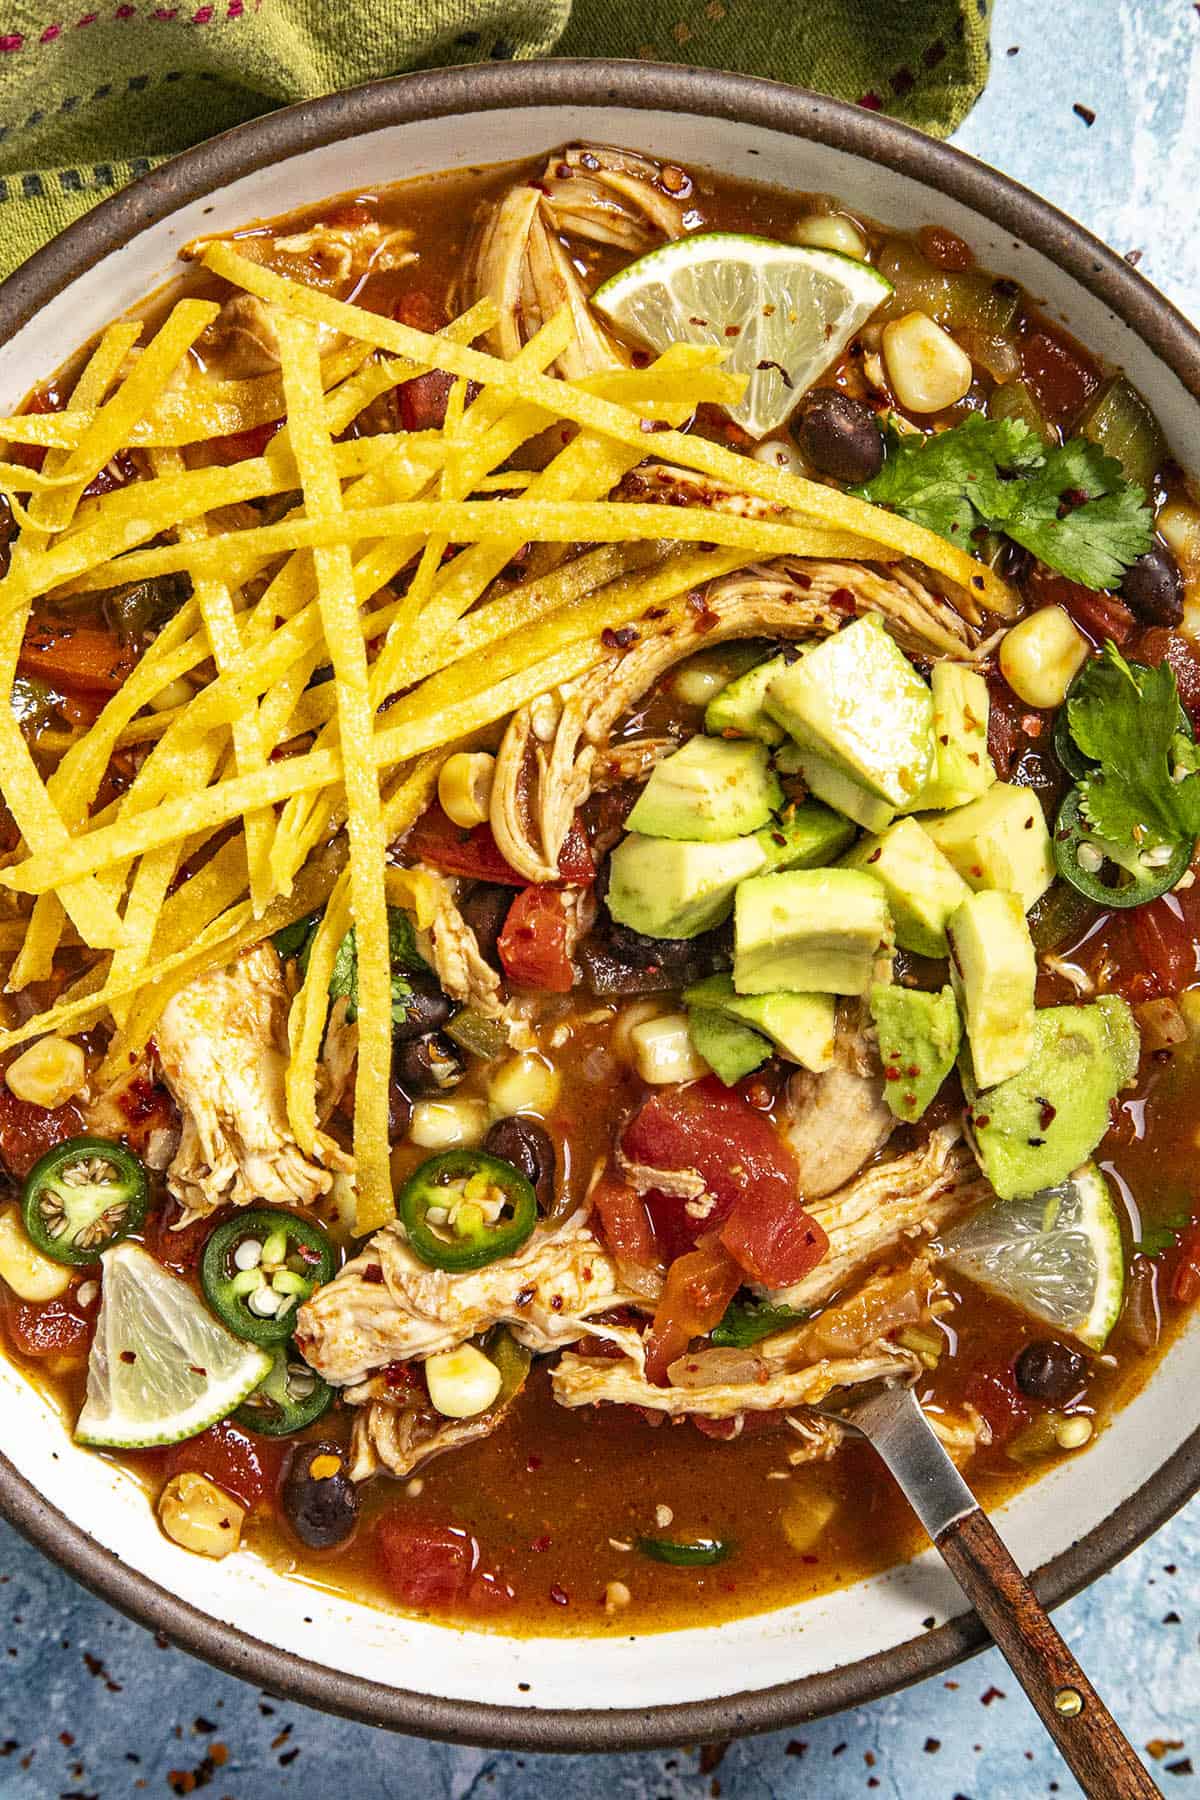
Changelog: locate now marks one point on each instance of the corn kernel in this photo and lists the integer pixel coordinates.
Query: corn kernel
(927, 370)
(462, 1383)
(805, 1518)
(199, 1516)
(1073, 1432)
(830, 231)
(1040, 657)
(29, 1274)
(465, 786)
(1178, 525)
(448, 1124)
(524, 1083)
(616, 1597)
(48, 1074)
(663, 1050)
(176, 693)
(626, 1023)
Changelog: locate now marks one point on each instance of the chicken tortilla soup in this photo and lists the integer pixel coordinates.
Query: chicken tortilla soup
(600, 792)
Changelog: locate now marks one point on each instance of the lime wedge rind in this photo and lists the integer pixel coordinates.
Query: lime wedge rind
(782, 313)
(1057, 1255)
(161, 1368)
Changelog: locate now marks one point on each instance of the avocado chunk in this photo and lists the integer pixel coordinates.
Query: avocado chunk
(836, 788)
(711, 790)
(800, 1026)
(962, 768)
(804, 837)
(730, 1050)
(994, 969)
(1033, 1130)
(808, 931)
(998, 841)
(919, 1036)
(738, 708)
(923, 889)
(858, 702)
(666, 888)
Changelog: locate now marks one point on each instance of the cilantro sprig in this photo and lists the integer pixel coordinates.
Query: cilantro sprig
(403, 955)
(746, 1322)
(1070, 504)
(1145, 788)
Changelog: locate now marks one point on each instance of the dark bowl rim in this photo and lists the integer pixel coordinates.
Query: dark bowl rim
(644, 87)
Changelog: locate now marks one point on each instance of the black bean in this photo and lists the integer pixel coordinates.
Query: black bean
(426, 1009)
(1153, 587)
(529, 1148)
(838, 435)
(1050, 1371)
(485, 910)
(321, 1509)
(427, 1065)
(1013, 562)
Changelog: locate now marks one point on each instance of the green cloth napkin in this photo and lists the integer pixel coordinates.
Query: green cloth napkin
(94, 92)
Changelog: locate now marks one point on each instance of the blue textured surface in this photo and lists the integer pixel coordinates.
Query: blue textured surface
(90, 1706)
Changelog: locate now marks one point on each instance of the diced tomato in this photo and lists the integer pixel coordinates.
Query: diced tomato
(435, 839)
(1165, 945)
(747, 1424)
(436, 1566)
(1184, 1286)
(1101, 616)
(776, 1244)
(1159, 645)
(116, 473)
(1005, 736)
(625, 1222)
(992, 1390)
(1063, 377)
(145, 1108)
(421, 402)
(54, 1328)
(77, 656)
(245, 1466)
(180, 1250)
(240, 446)
(698, 1288)
(532, 945)
(32, 456)
(28, 1131)
(420, 309)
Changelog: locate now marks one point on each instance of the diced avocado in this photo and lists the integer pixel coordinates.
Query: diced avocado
(804, 837)
(730, 1050)
(993, 968)
(962, 768)
(666, 888)
(738, 708)
(919, 1035)
(836, 788)
(1033, 1130)
(922, 888)
(857, 701)
(998, 841)
(709, 791)
(801, 1026)
(809, 931)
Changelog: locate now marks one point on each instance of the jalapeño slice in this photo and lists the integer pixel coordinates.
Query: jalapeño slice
(289, 1397)
(1108, 874)
(685, 1553)
(465, 1209)
(259, 1268)
(83, 1197)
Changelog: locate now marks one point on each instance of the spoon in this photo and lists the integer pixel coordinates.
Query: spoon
(1089, 1738)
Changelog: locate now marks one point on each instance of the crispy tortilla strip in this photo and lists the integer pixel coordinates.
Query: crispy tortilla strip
(792, 492)
(317, 465)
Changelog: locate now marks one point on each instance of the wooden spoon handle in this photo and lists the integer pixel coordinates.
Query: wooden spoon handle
(1093, 1745)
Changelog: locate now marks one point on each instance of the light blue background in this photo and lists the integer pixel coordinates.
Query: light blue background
(68, 1665)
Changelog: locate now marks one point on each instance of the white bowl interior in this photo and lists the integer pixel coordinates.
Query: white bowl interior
(753, 1653)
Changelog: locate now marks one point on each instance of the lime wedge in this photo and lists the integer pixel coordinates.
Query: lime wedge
(161, 1367)
(781, 312)
(1056, 1254)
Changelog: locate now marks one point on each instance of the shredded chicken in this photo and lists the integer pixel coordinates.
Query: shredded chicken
(591, 1381)
(539, 784)
(397, 1429)
(461, 968)
(222, 1046)
(338, 1054)
(907, 1198)
(520, 261)
(833, 1123)
(387, 1306)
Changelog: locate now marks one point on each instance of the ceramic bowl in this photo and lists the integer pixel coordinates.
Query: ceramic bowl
(754, 1673)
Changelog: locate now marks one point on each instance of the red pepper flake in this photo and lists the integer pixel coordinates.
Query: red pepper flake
(620, 639)
(871, 101)
(1085, 113)
(373, 1274)
(541, 1543)
(1047, 1115)
(842, 600)
(990, 1694)
(559, 1595)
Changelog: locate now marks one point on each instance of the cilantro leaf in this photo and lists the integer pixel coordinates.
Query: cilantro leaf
(1071, 505)
(295, 939)
(745, 1322)
(403, 955)
(1157, 1238)
(1129, 724)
